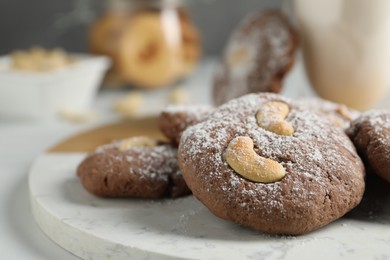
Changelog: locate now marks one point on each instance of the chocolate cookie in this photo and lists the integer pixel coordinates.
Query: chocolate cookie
(174, 119)
(266, 162)
(134, 167)
(259, 54)
(338, 114)
(371, 135)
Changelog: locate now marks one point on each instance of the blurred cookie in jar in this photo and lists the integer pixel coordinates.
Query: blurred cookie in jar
(103, 39)
(191, 50)
(153, 43)
(258, 55)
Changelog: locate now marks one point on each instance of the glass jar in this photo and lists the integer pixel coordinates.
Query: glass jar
(152, 43)
(346, 49)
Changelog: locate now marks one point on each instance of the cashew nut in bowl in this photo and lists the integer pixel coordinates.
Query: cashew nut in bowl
(271, 116)
(246, 162)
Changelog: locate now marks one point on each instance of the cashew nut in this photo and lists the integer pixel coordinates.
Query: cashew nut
(271, 116)
(340, 116)
(137, 141)
(246, 162)
(343, 111)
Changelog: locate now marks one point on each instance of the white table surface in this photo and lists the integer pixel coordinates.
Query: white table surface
(22, 142)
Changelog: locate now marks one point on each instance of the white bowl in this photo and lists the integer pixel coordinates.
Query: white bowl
(43, 95)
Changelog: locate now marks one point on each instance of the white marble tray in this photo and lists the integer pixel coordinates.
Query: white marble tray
(95, 228)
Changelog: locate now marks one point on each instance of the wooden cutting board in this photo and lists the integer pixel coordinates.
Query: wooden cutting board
(89, 140)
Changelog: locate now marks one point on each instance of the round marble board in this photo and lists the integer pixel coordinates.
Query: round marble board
(97, 228)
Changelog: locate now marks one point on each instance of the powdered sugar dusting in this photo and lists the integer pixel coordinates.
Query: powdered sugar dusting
(337, 114)
(196, 112)
(377, 122)
(153, 163)
(379, 118)
(195, 109)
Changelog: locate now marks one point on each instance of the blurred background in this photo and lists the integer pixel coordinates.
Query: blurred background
(152, 45)
(53, 23)
(175, 45)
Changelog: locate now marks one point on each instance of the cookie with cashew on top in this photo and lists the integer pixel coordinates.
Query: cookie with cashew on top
(266, 162)
(135, 167)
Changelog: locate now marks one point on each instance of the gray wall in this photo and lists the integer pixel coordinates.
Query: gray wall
(53, 23)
